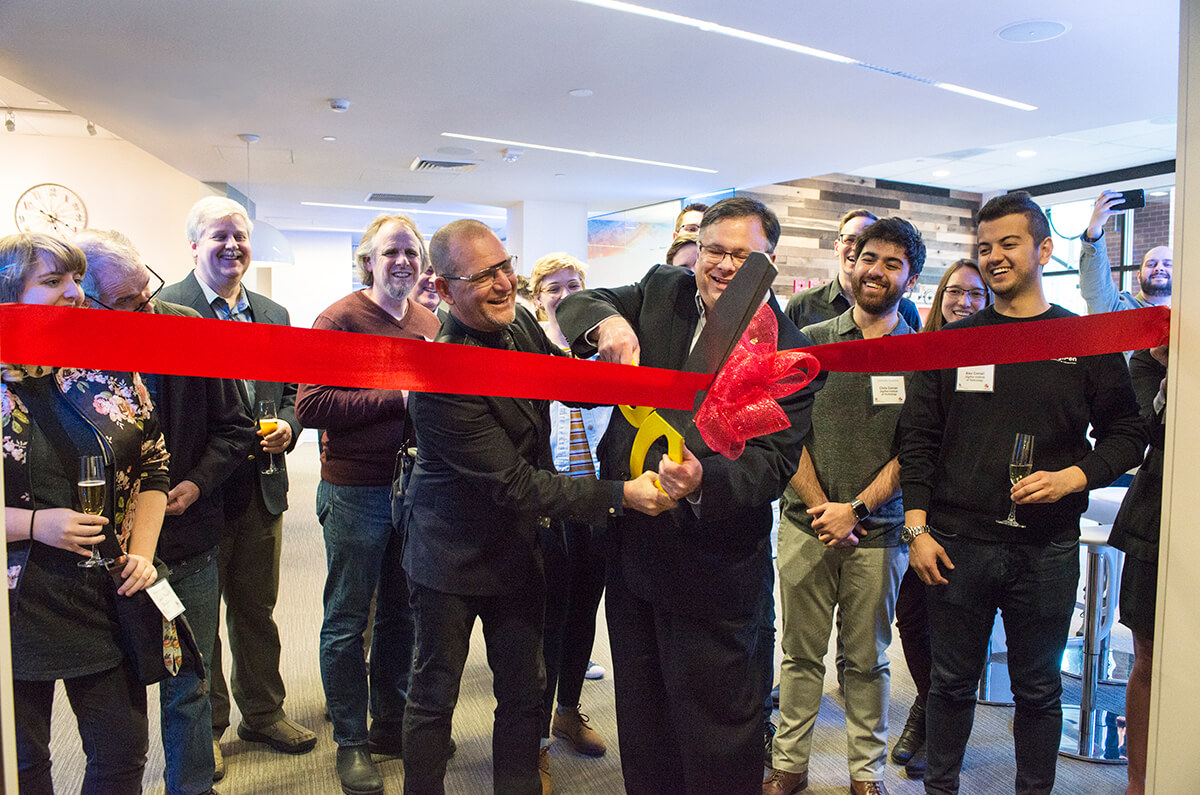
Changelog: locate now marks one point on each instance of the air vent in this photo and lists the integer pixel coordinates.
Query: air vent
(443, 166)
(399, 198)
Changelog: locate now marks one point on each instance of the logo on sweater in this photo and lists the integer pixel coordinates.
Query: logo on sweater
(1068, 360)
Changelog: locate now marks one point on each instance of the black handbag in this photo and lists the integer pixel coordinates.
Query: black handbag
(142, 626)
(406, 460)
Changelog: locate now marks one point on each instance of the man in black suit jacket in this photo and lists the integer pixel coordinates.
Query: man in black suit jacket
(208, 433)
(219, 232)
(684, 589)
(483, 483)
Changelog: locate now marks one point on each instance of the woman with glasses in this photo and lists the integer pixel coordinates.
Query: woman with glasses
(961, 293)
(574, 559)
(63, 616)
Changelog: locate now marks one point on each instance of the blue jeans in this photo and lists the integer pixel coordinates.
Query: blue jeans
(1033, 586)
(186, 712)
(363, 552)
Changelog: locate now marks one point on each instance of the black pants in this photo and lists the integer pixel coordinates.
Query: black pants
(512, 632)
(1033, 586)
(689, 698)
(110, 708)
(912, 621)
(574, 564)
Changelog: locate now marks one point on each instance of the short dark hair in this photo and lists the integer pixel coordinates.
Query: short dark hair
(859, 213)
(439, 244)
(741, 207)
(694, 207)
(903, 234)
(1019, 202)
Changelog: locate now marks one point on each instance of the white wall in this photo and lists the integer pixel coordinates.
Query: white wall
(321, 275)
(537, 228)
(123, 188)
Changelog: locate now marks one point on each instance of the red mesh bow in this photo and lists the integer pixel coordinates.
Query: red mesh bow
(741, 403)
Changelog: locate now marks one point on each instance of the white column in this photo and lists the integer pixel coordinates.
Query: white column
(1175, 695)
(536, 228)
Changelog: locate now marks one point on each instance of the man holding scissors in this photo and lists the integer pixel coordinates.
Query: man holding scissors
(684, 588)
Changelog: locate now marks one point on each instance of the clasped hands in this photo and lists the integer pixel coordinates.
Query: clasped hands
(79, 532)
(677, 481)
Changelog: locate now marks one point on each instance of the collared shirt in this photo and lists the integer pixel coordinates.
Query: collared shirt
(240, 311)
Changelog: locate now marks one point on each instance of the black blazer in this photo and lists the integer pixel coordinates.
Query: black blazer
(208, 434)
(238, 486)
(484, 480)
(707, 561)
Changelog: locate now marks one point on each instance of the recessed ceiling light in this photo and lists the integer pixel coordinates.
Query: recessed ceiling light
(566, 151)
(770, 41)
(941, 172)
(339, 105)
(398, 210)
(1027, 153)
(1031, 31)
(580, 92)
(328, 138)
(455, 150)
(1158, 193)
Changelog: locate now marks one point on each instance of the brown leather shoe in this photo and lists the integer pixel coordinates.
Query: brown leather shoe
(218, 761)
(867, 788)
(544, 770)
(573, 727)
(781, 782)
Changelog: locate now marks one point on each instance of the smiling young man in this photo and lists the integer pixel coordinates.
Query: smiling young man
(685, 590)
(218, 230)
(957, 430)
(839, 531)
(361, 431)
(484, 483)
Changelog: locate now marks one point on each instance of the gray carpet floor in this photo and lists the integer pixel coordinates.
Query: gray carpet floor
(988, 767)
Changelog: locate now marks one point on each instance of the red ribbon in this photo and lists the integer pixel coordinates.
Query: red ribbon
(742, 402)
(68, 337)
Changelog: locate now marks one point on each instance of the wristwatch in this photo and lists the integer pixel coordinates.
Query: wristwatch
(910, 533)
(861, 511)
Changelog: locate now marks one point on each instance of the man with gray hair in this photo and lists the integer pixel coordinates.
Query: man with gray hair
(208, 433)
(218, 230)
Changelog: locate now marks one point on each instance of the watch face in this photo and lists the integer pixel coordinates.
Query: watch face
(52, 209)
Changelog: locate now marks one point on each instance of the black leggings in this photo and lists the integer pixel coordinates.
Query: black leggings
(110, 708)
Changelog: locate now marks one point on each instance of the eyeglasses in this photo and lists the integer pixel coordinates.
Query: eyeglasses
(715, 256)
(849, 240)
(487, 276)
(126, 304)
(958, 292)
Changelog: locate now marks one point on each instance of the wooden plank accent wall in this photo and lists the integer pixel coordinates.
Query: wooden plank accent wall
(809, 211)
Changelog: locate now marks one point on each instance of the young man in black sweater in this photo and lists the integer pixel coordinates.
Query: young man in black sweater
(957, 430)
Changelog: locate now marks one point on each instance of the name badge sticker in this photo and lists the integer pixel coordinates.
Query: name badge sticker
(164, 598)
(887, 389)
(976, 379)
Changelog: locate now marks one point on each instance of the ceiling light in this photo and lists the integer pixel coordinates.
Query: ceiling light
(580, 92)
(511, 154)
(791, 46)
(339, 105)
(941, 172)
(400, 210)
(578, 151)
(10, 122)
(1031, 31)
(91, 128)
(1027, 153)
(328, 139)
(1159, 193)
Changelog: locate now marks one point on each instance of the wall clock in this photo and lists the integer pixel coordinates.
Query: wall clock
(50, 208)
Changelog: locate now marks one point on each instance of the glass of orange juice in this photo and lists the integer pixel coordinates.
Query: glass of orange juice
(268, 421)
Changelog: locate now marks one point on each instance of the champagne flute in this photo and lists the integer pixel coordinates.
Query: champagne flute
(1019, 465)
(93, 489)
(268, 421)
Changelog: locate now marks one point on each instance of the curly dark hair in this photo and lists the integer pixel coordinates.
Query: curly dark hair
(903, 234)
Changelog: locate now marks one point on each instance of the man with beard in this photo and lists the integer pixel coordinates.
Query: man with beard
(957, 430)
(1095, 276)
(361, 431)
(827, 301)
(218, 230)
(840, 523)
